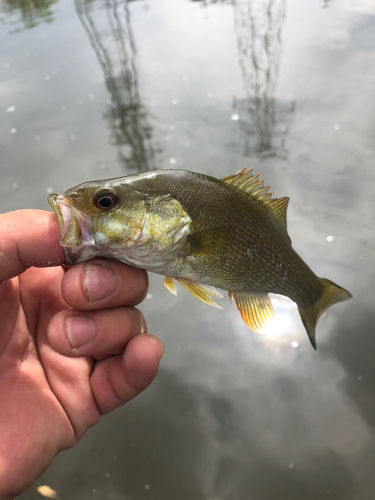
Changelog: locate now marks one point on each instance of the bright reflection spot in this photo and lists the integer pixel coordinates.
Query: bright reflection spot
(291, 466)
(167, 137)
(50, 190)
(147, 487)
(15, 185)
(172, 161)
(13, 130)
(210, 94)
(47, 77)
(174, 101)
(360, 377)
(235, 117)
(282, 330)
(38, 138)
(330, 238)
(337, 127)
(281, 321)
(10, 109)
(285, 325)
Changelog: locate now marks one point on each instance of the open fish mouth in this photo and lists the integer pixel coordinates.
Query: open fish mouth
(75, 228)
(71, 234)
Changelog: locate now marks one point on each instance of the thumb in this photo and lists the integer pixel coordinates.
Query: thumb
(28, 238)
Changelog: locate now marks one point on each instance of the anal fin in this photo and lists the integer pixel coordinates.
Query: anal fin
(256, 310)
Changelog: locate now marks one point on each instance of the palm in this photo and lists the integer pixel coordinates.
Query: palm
(37, 382)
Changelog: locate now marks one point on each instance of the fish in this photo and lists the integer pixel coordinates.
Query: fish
(201, 232)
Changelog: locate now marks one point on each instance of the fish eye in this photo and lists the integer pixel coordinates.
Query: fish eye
(105, 199)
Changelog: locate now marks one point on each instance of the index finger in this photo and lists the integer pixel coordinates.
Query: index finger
(28, 238)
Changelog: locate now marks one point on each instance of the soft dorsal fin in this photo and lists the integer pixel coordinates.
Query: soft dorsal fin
(278, 207)
(251, 185)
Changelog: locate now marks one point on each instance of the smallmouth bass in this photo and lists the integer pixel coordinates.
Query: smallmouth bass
(202, 232)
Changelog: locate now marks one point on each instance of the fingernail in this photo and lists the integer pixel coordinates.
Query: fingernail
(143, 323)
(80, 330)
(156, 341)
(98, 282)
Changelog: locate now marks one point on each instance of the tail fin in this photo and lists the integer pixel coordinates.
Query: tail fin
(331, 293)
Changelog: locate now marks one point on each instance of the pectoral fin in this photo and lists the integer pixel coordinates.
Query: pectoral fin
(171, 284)
(256, 310)
(203, 293)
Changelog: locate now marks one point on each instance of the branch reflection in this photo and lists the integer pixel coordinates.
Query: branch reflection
(115, 48)
(258, 25)
(29, 12)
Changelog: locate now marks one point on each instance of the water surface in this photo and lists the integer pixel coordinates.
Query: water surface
(102, 89)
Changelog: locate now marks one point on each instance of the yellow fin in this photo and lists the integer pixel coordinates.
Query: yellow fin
(171, 284)
(331, 294)
(256, 310)
(249, 183)
(278, 207)
(201, 292)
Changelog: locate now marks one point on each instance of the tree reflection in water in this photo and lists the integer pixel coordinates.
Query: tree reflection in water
(127, 116)
(258, 26)
(29, 12)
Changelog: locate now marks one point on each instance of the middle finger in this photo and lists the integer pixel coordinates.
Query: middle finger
(98, 334)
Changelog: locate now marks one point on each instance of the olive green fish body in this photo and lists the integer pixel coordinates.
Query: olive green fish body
(234, 239)
(200, 231)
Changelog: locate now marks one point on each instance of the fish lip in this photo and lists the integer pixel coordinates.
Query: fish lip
(52, 201)
(76, 230)
(69, 223)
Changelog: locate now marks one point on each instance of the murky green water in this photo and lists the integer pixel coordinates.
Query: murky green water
(102, 89)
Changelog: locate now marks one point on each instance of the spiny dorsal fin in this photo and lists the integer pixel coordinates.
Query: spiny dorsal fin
(254, 187)
(256, 310)
(249, 184)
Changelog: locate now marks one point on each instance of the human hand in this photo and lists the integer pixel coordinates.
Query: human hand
(70, 345)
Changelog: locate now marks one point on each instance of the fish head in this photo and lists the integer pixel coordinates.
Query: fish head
(113, 220)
